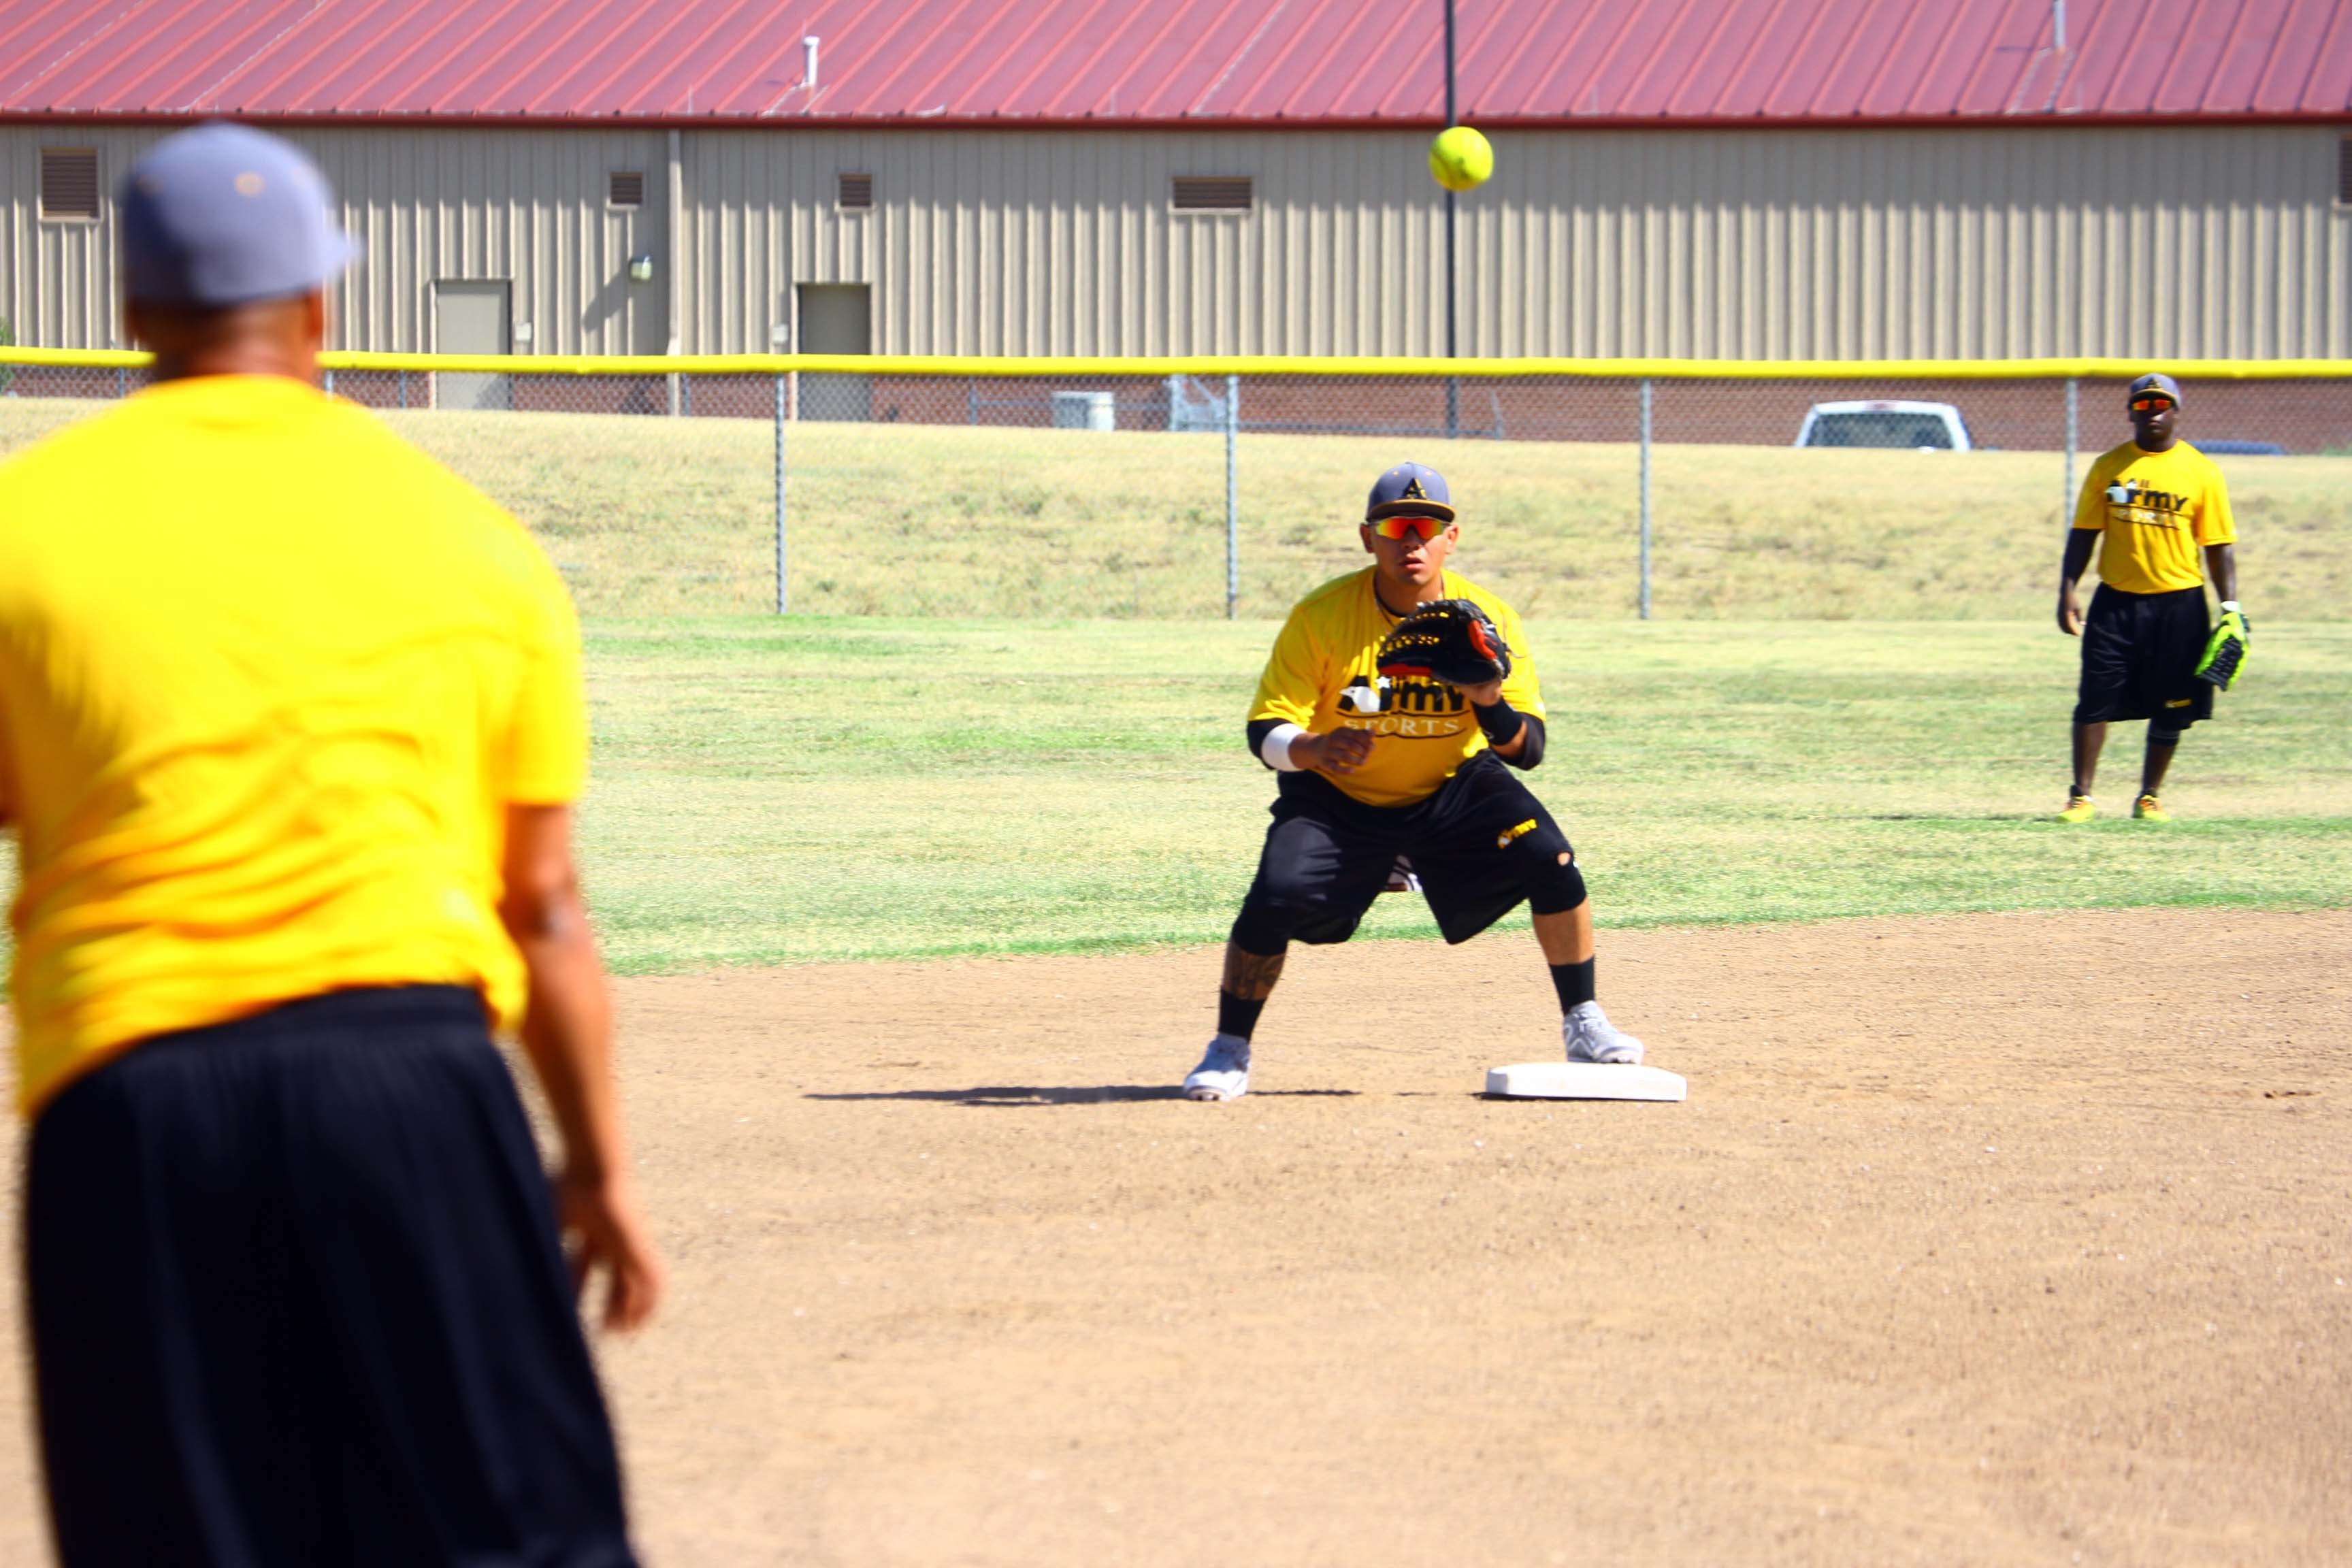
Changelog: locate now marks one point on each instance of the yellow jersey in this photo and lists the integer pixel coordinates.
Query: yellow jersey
(269, 677)
(2154, 509)
(1426, 730)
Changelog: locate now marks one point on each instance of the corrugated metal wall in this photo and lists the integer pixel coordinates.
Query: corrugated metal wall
(2171, 241)
(524, 206)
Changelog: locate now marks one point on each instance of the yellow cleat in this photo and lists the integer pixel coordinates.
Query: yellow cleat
(2148, 809)
(2079, 809)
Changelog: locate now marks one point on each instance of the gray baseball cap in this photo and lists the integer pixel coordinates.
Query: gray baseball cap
(1412, 489)
(225, 215)
(2156, 381)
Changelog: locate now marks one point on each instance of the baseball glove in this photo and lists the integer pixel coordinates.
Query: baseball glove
(1450, 640)
(2225, 654)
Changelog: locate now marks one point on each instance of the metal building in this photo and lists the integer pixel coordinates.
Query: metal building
(1853, 179)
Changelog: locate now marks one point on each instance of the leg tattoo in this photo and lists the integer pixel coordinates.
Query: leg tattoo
(1251, 976)
(1241, 997)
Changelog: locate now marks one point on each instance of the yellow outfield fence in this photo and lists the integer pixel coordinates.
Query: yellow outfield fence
(1206, 485)
(1358, 366)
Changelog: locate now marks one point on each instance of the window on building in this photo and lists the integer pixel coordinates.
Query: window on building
(854, 193)
(2344, 171)
(624, 188)
(70, 182)
(1213, 194)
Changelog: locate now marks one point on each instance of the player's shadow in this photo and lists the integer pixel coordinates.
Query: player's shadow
(1055, 1094)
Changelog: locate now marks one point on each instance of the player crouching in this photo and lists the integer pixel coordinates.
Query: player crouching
(1395, 705)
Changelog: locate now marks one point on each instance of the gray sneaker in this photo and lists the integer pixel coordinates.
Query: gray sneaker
(1223, 1073)
(1592, 1038)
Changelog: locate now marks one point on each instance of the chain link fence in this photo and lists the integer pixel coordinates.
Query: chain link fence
(1173, 492)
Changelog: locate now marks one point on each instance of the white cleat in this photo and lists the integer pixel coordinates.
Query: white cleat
(1223, 1073)
(1592, 1038)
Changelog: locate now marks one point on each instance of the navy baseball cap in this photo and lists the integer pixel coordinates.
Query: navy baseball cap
(1409, 490)
(225, 215)
(2156, 381)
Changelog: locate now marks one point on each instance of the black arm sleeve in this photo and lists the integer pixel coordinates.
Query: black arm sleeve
(1531, 752)
(1259, 728)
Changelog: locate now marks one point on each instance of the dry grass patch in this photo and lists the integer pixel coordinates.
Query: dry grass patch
(652, 516)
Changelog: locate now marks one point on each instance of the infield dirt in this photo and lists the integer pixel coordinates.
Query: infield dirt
(2008, 1238)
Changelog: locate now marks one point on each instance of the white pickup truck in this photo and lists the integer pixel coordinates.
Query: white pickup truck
(1911, 427)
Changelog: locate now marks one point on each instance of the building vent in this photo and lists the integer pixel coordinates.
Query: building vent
(1213, 194)
(624, 188)
(855, 192)
(69, 182)
(2344, 171)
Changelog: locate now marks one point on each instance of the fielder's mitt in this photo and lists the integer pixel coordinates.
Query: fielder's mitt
(2225, 655)
(1450, 640)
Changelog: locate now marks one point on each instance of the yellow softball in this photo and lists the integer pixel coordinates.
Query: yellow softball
(1461, 159)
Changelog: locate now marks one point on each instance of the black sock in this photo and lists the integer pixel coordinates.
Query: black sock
(1574, 983)
(1236, 1016)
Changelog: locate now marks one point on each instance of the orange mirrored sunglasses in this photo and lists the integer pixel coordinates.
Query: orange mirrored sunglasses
(1422, 527)
(2154, 400)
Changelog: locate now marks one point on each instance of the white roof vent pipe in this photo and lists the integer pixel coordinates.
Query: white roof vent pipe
(808, 67)
(2057, 30)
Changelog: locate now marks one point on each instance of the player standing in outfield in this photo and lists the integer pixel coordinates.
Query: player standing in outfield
(1420, 769)
(2150, 506)
(290, 716)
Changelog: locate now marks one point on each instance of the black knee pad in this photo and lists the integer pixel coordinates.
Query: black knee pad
(1263, 927)
(1558, 886)
(1266, 928)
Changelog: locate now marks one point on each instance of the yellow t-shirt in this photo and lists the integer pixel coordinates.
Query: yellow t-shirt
(2174, 502)
(1426, 730)
(268, 679)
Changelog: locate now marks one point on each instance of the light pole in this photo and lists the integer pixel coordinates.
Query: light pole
(1453, 383)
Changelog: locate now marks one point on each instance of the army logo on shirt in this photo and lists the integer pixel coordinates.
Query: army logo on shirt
(2143, 507)
(1412, 707)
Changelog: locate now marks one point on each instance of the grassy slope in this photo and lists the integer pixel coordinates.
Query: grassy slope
(650, 516)
(785, 792)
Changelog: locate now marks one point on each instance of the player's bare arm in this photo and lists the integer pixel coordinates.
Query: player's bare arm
(2080, 543)
(1341, 750)
(2221, 571)
(567, 1032)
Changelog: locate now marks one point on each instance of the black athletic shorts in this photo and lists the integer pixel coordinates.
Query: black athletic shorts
(2140, 659)
(298, 1298)
(1476, 844)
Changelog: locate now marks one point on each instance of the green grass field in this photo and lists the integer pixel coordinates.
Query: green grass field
(652, 515)
(808, 790)
(1852, 704)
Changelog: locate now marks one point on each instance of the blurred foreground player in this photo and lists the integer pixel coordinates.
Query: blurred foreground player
(289, 717)
(1411, 767)
(2152, 507)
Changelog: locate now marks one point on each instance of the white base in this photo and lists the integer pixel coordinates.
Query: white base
(1585, 1081)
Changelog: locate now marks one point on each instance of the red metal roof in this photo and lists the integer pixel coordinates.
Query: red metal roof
(1178, 62)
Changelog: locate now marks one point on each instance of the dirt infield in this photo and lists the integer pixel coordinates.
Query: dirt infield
(2020, 1239)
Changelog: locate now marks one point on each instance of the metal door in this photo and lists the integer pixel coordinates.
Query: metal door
(836, 318)
(472, 316)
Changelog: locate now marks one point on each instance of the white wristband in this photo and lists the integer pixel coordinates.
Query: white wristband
(1276, 748)
(2230, 606)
